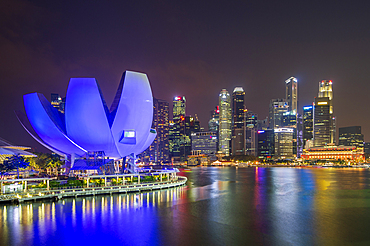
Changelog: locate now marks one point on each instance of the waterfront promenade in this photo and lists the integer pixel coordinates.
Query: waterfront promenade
(166, 179)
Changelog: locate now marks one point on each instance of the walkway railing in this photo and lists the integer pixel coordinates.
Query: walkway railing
(84, 191)
(162, 175)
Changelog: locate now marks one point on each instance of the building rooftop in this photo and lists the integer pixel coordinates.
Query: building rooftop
(238, 89)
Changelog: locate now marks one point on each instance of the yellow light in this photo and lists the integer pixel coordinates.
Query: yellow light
(322, 103)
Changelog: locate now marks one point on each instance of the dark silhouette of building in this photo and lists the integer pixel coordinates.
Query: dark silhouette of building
(351, 136)
(266, 146)
(323, 122)
(177, 128)
(307, 123)
(158, 151)
(238, 129)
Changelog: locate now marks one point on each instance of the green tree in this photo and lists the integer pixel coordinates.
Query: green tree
(17, 162)
(32, 161)
(46, 162)
(53, 163)
(4, 168)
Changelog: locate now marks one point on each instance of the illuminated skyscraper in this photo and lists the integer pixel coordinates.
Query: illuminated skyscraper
(177, 128)
(225, 122)
(178, 108)
(291, 94)
(204, 143)
(214, 120)
(324, 121)
(238, 107)
(283, 142)
(58, 102)
(326, 89)
(307, 123)
(251, 139)
(192, 125)
(238, 130)
(291, 97)
(278, 107)
(158, 151)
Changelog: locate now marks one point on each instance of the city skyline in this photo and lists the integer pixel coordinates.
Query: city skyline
(187, 49)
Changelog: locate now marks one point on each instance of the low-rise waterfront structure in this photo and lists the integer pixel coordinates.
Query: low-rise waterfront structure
(331, 152)
(7, 150)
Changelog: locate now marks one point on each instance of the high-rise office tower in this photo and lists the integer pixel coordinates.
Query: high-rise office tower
(192, 125)
(291, 97)
(179, 107)
(307, 124)
(266, 144)
(238, 129)
(238, 107)
(58, 102)
(291, 94)
(290, 121)
(214, 120)
(263, 124)
(55, 99)
(283, 137)
(324, 121)
(177, 128)
(225, 122)
(333, 133)
(351, 136)
(299, 136)
(326, 89)
(251, 140)
(174, 148)
(204, 143)
(276, 111)
(158, 151)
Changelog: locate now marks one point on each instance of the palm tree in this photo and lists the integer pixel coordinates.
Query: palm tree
(17, 161)
(4, 168)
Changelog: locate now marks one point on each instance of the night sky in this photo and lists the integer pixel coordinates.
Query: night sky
(191, 48)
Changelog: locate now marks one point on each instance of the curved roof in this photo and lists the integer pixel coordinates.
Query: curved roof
(45, 120)
(88, 125)
(238, 89)
(86, 117)
(133, 111)
(7, 149)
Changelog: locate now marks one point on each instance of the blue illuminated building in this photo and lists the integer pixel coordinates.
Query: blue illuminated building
(87, 125)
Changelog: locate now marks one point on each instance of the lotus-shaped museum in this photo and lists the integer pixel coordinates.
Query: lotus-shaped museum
(87, 125)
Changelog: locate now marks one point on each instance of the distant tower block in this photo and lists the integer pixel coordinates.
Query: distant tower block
(291, 94)
(224, 122)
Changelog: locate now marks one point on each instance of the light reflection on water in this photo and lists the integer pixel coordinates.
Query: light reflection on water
(220, 206)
